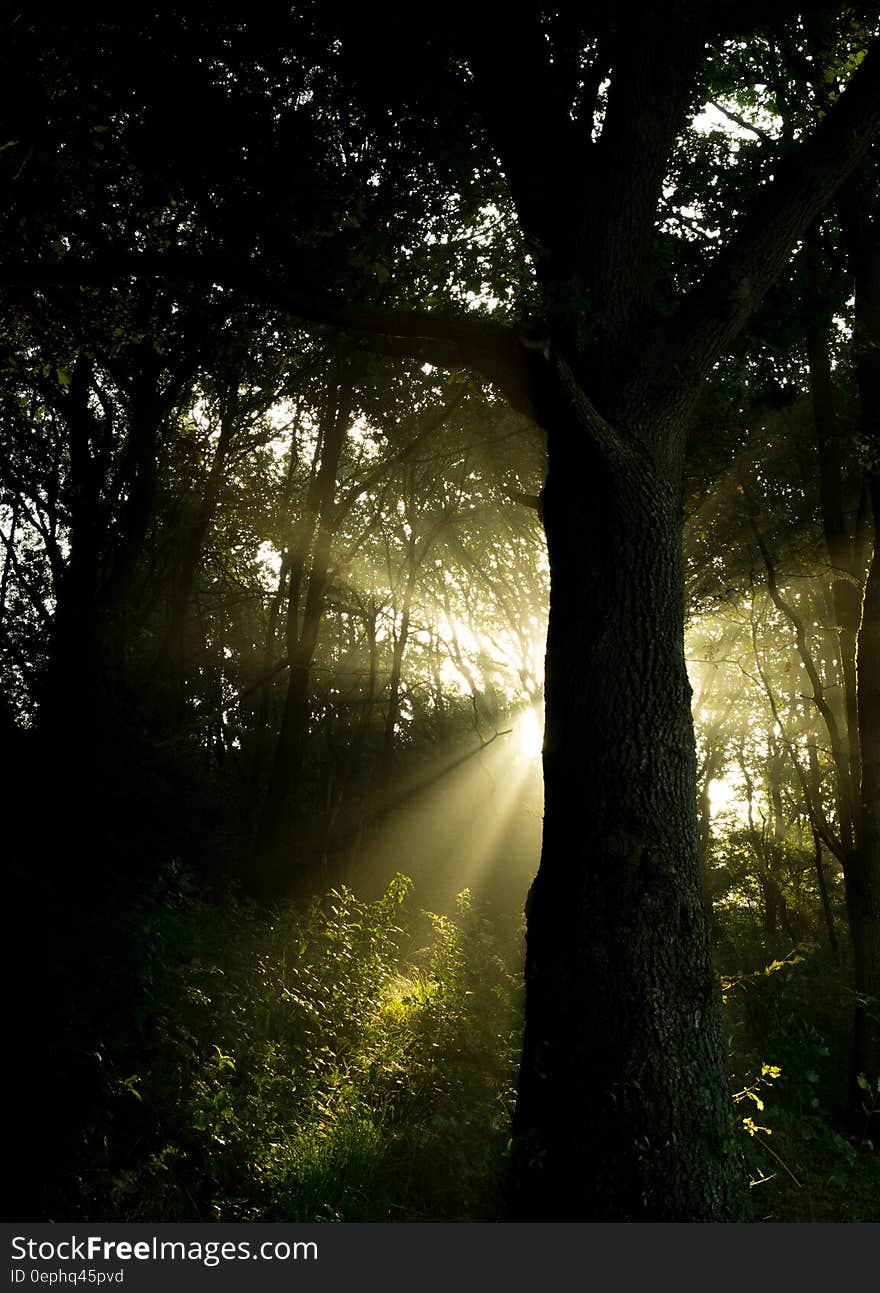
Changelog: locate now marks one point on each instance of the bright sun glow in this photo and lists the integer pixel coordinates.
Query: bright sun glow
(721, 794)
(531, 737)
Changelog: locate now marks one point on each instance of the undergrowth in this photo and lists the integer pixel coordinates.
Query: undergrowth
(789, 1042)
(357, 1062)
(352, 1063)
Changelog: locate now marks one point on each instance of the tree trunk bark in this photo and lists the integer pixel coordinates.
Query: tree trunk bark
(623, 1063)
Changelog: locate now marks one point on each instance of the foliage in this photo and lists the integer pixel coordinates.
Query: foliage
(802, 1166)
(356, 1062)
(352, 1063)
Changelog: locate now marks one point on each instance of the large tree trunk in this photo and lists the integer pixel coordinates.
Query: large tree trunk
(623, 1064)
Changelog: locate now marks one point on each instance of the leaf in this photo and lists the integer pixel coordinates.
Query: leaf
(224, 1061)
(751, 1127)
(130, 1085)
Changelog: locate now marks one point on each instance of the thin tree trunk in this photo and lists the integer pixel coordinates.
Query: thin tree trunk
(845, 592)
(400, 642)
(147, 408)
(822, 885)
(261, 717)
(275, 871)
(840, 748)
(359, 741)
(9, 544)
(173, 647)
(74, 707)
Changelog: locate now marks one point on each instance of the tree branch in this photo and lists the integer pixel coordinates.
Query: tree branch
(817, 817)
(522, 102)
(206, 720)
(838, 749)
(654, 65)
(532, 501)
(742, 122)
(713, 312)
(446, 340)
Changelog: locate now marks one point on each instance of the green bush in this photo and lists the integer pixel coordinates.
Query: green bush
(354, 1062)
(789, 1037)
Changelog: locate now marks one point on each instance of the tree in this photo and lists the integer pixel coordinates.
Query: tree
(621, 1030)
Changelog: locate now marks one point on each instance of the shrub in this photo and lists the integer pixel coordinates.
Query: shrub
(353, 1062)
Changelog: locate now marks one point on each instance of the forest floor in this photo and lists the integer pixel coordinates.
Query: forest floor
(358, 1063)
